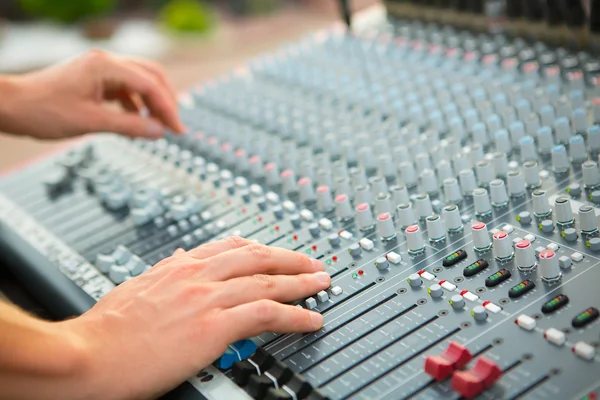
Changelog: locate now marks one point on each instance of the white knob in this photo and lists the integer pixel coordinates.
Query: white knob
(549, 267)
(483, 207)
(405, 214)
(452, 219)
(414, 240)
(502, 246)
(481, 237)
(498, 193)
(524, 255)
(435, 228)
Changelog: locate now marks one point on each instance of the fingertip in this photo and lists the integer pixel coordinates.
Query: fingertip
(155, 130)
(317, 265)
(323, 278)
(316, 320)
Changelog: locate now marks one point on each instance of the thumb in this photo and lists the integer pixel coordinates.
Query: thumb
(129, 124)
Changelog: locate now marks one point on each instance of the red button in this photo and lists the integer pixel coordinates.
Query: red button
(441, 367)
(474, 381)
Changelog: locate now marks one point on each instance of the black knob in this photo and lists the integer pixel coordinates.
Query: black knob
(258, 386)
(300, 386)
(278, 394)
(263, 359)
(241, 371)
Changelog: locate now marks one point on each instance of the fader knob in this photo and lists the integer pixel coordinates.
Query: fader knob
(524, 255)
(502, 246)
(414, 240)
(516, 184)
(591, 175)
(406, 215)
(452, 219)
(549, 267)
(423, 205)
(435, 228)
(364, 217)
(588, 224)
(563, 211)
(498, 193)
(541, 207)
(483, 207)
(104, 262)
(324, 199)
(385, 226)
(481, 237)
(118, 274)
(343, 209)
(121, 255)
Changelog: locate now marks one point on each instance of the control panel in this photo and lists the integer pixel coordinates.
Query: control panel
(448, 180)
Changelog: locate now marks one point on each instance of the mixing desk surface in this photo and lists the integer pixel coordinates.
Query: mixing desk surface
(448, 180)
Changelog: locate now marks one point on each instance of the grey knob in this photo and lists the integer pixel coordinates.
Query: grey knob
(547, 226)
(531, 170)
(452, 219)
(445, 171)
(577, 150)
(314, 229)
(334, 239)
(481, 236)
(386, 167)
(362, 194)
(479, 313)
(423, 162)
(528, 150)
(358, 177)
(364, 217)
(479, 132)
(563, 130)
(452, 191)
(382, 263)
(408, 173)
(457, 302)
(406, 215)
(524, 255)
(378, 185)
(385, 226)
(423, 205)
(502, 141)
(502, 246)
(429, 182)
(307, 191)
(524, 218)
(500, 164)
(545, 140)
(549, 267)
(256, 168)
(563, 211)
(517, 131)
(435, 228)
(483, 207)
(342, 186)
(104, 262)
(414, 280)
(516, 184)
(414, 239)
(435, 291)
(118, 274)
(121, 255)
(343, 208)
(135, 265)
(485, 173)
(498, 193)
(467, 181)
(593, 136)
(288, 181)
(400, 195)
(541, 206)
(383, 203)
(560, 160)
(591, 175)
(588, 224)
(324, 200)
(354, 250)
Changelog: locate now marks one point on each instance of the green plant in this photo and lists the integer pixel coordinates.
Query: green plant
(187, 16)
(67, 11)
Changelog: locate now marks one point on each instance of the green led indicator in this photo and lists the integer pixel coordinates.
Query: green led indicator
(328, 262)
(271, 231)
(308, 251)
(290, 240)
(354, 275)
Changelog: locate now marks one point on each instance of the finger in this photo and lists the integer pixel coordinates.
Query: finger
(260, 259)
(129, 104)
(159, 73)
(178, 251)
(100, 119)
(282, 288)
(136, 80)
(252, 319)
(221, 246)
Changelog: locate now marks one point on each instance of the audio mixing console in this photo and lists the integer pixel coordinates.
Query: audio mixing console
(448, 180)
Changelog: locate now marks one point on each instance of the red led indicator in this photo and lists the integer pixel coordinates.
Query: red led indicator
(314, 246)
(277, 228)
(228, 202)
(334, 258)
(243, 211)
(360, 272)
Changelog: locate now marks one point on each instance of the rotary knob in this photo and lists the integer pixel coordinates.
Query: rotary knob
(541, 206)
(405, 215)
(435, 228)
(524, 255)
(288, 179)
(385, 226)
(502, 246)
(364, 217)
(435, 291)
(516, 184)
(467, 181)
(588, 224)
(383, 203)
(563, 211)
(483, 207)
(307, 192)
(591, 175)
(414, 280)
(452, 219)
(400, 195)
(343, 209)
(479, 313)
(324, 199)
(423, 206)
(560, 160)
(549, 267)
(531, 170)
(498, 193)
(457, 302)
(452, 191)
(414, 240)
(485, 173)
(481, 237)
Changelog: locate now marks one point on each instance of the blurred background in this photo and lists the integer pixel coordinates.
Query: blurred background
(194, 39)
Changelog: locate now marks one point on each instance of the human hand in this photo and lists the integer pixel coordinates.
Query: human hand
(69, 99)
(156, 330)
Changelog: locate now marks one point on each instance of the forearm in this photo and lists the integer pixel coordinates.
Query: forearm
(37, 359)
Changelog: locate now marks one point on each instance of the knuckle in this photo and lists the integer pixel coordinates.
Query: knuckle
(265, 311)
(265, 282)
(235, 242)
(259, 251)
(96, 55)
(195, 292)
(301, 259)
